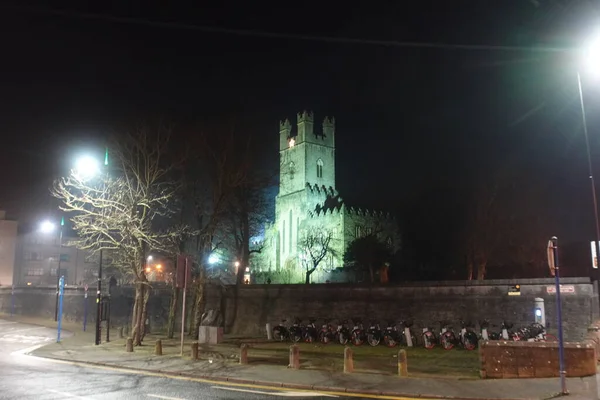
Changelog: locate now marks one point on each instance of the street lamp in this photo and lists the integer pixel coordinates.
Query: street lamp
(86, 168)
(591, 58)
(49, 227)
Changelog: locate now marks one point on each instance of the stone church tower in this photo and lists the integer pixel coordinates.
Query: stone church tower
(308, 198)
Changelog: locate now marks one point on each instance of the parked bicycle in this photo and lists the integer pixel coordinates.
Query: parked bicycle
(429, 339)
(343, 333)
(296, 331)
(391, 336)
(310, 331)
(281, 332)
(374, 334)
(534, 333)
(357, 336)
(327, 333)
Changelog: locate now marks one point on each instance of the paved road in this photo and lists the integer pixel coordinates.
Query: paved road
(26, 377)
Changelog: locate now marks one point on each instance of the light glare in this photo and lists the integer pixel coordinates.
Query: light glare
(47, 227)
(86, 167)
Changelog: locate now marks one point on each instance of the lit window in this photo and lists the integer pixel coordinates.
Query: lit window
(319, 168)
(292, 142)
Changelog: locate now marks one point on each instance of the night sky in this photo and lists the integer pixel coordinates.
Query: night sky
(415, 124)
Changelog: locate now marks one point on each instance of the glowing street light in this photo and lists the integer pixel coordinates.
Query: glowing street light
(213, 259)
(86, 167)
(47, 227)
(158, 266)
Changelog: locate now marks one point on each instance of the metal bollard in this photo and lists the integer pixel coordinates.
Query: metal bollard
(348, 360)
(129, 345)
(244, 354)
(294, 357)
(194, 350)
(158, 348)
(269, 331)
(402, 363)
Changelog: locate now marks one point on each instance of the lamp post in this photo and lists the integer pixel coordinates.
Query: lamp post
(590, 58)
(48, 227)
(86, 168)
(591, 174)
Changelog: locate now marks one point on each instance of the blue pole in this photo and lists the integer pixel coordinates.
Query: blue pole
(61, 295)
(12, 301)
(561, 353)
(85, 309)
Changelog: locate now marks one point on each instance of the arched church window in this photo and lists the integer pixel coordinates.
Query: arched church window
(292, 169)
(319, 168)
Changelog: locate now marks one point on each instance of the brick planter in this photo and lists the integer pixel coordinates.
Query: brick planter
(500, 359)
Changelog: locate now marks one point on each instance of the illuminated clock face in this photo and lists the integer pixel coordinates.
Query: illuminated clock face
(292, 142)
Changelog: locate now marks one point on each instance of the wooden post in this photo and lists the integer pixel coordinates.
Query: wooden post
(194, 350)
(348, 360)
(402, 363)
(120, 331)
(129, 345)
(244, 354)
(294, 357)
(158, 348)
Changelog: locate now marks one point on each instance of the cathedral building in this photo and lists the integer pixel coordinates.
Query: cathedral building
(308, 203)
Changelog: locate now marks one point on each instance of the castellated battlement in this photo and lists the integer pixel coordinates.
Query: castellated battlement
(341, 208)
(305, 131)
(321, 190)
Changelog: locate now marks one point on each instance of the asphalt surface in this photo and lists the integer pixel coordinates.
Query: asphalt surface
(27, 377)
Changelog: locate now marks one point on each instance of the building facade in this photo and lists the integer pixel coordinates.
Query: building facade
(8, 245)
(37, 261)
(308, 202)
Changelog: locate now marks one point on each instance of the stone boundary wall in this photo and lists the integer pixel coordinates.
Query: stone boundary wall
(247, 308)
(506, 360)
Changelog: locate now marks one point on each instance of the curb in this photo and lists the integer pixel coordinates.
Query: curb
(278, 385)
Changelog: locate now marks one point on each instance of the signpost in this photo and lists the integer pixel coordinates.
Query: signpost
(61, 295)
(183, 279)
(594, 255)
(554, 270)
(85, 305)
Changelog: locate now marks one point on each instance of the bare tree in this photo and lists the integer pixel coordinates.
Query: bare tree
(507, 224)
(127, 211)
(314, 246)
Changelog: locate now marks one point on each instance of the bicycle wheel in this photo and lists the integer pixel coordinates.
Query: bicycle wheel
(428, 340)
(470, 341)
(356, 338)
(447, 340)
(343, 338)
(323, 337)
(389, 341)
(373, 339)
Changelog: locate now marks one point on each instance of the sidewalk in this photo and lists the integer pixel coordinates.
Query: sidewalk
(224, 366)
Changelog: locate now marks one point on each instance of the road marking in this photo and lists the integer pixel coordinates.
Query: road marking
(3, 322)
(164, 397)
(23, 330)
(282, 394)
(26, 350)
(73, 396)
(217, 382)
